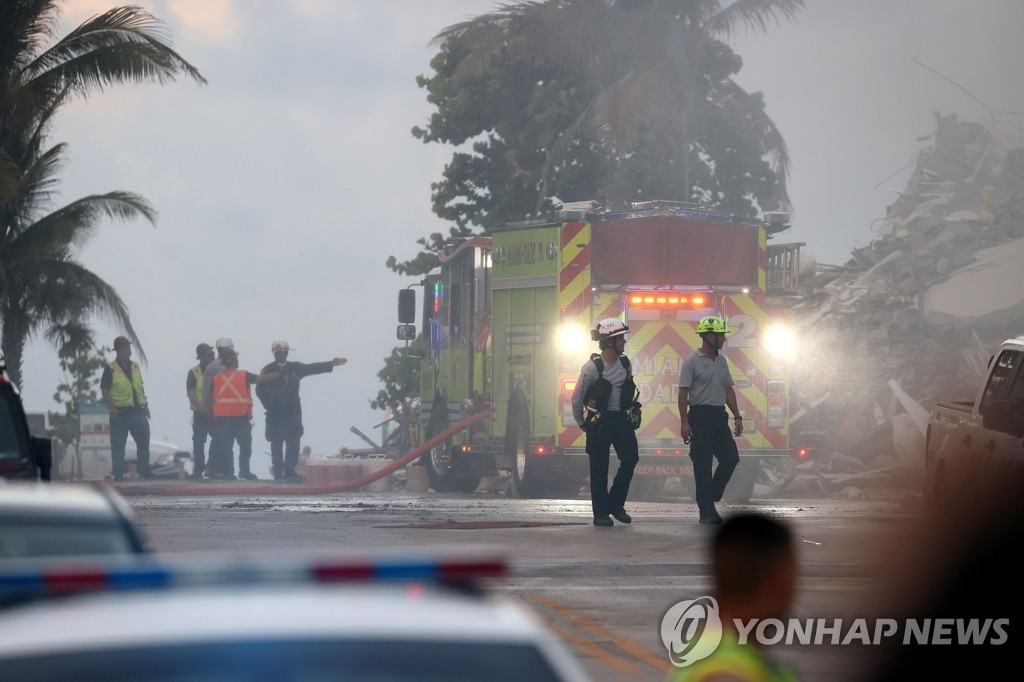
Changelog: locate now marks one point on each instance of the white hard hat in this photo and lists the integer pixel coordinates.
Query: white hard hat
(279, 345)
(607, 328)
(225, 342)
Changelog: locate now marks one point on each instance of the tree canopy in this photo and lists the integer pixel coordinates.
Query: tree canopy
(616, 101)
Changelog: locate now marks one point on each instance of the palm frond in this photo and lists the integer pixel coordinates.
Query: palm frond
(38, 183)
(66, 277)
(137, 34)
(75, 223)
(754, 15)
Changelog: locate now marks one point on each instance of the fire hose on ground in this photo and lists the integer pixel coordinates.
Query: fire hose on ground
(268, 488)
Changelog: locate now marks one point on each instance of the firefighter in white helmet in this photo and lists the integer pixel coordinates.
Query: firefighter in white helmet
(705, 389)
(283, 407)
(603, 402)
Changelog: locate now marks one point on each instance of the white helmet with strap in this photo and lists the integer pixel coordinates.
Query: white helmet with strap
(607, 328)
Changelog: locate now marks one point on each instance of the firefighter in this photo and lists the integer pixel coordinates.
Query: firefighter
(603, 394)
(230, 406)
(754, 566)
(705, 389)
(284, 409)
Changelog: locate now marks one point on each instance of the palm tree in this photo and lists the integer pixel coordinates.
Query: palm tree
(660, 66)
(42, 286)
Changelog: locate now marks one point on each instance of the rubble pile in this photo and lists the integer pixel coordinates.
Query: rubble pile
(924, 305)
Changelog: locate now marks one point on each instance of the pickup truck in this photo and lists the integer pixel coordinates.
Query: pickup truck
(989, 430)
(22, 455)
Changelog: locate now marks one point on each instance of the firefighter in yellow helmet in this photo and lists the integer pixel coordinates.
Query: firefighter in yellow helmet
(705, 389)
(754, 568)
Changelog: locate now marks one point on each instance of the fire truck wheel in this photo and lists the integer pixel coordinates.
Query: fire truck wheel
(521, 483)
(439, 459)
(741, 485)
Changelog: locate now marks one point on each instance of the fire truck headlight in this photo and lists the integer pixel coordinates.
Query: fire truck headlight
(573, 339)
(780, 342)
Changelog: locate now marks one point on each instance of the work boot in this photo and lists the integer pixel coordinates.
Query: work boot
(604, 521)
(711, 518)
(621, 516)
(247, 475)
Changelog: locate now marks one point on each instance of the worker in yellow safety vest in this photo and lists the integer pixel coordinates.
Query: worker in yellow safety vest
(121, 384)
(200, 420)
(754, 569)
(230, 407)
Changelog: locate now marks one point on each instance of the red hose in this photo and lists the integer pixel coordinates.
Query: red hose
(484, 242)
(161, 488)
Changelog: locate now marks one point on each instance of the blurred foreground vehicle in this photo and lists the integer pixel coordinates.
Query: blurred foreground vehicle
(385, 619)
(65, 519)
(22, 455)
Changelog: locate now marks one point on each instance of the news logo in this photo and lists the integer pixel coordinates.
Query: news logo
(691, 630)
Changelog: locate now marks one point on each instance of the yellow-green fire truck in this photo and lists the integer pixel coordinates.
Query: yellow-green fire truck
(506, 324)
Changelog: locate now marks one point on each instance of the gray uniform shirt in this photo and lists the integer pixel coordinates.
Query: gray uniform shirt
(706, 378)
(208, 374)
(614, 373)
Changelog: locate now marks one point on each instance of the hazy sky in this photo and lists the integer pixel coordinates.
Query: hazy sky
(285, 184)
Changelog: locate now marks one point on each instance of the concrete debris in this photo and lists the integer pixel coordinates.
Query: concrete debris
(915, 316)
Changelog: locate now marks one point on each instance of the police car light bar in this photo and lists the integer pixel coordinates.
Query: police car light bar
(60, 579)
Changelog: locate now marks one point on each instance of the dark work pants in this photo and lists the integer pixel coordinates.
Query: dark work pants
(131, 420)
(200, 431)
(284, 455)
(284, 432)
(227, 430)
(615, 430)
(711, 438)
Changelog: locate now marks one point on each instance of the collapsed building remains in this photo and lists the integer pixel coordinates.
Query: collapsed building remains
(914, 317)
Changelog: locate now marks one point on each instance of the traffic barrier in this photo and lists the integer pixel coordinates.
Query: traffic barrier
(270, 488)
(417, 480)
(370, 466)
(317, 471)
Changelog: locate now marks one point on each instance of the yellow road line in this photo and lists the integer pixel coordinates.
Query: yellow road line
(627, 644)
(619, 665)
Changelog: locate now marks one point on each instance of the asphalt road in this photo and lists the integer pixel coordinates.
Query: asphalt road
(604, 591)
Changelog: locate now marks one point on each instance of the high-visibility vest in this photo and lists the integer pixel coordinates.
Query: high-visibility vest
(231, 396)
(733, 660)
(197, 372)
(121, 386)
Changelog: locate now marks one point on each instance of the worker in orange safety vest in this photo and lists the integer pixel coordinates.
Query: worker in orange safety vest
(230, 406)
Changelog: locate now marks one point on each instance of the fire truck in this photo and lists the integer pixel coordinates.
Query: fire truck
(506, 326)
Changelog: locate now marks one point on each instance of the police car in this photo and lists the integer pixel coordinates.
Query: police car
(66, 519)
(241, 619)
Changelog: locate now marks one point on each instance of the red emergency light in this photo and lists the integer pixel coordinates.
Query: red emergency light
(664, 300)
